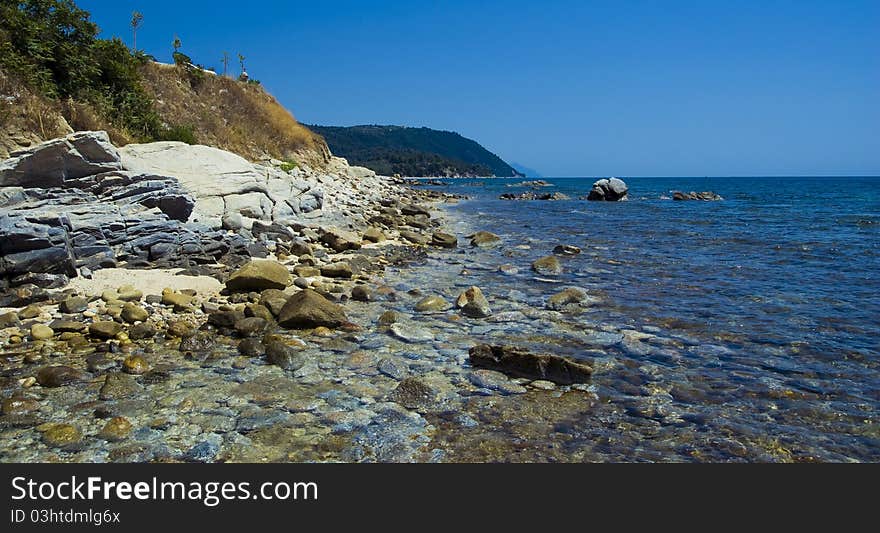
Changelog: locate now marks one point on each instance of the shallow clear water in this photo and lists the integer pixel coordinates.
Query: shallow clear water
(765, 306)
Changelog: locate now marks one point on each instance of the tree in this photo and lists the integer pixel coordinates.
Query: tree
(225, 63)
(176, 44)
(137, 20)
(241, 59)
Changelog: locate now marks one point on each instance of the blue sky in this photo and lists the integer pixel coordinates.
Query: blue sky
(629, 88)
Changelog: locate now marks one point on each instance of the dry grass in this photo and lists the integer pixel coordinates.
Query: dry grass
(231, 115)
(222, 112)
(25, 117)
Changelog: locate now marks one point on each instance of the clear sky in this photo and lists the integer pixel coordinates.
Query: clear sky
(570, 88)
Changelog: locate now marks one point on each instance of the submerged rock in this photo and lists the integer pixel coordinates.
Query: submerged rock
(473, 304)
(444, 240)
(547, 266)
(432, 304)
(59, 376)
(410, 333)
(484, 239)
(566, 250)
(608, 190)
(521, 363)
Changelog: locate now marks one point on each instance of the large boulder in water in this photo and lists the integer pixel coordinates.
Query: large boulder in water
(608, 190)
(521, 363)
(308, 309)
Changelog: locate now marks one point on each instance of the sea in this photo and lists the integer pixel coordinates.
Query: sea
(747, 328)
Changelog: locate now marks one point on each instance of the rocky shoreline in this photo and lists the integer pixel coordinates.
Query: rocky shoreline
(279, 341)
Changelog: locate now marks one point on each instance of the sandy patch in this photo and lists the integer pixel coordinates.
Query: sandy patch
(146, 281)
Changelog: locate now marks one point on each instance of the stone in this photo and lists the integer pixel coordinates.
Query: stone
(415, 210)
(179, 329)
(40, 332)
(373, 234)
(566, 250)
(391, 369)
(308, 309)
(105, 329)
(127, 293)
(484, 239)
(304, 271)
(200, 343)
(387, 318)
(274, 300)
(31, 311)
(116, 429)
(259, 311)
(19, 406)
(178, 301)
(8, 320)
(252, 326)
(340, 240)
(547, 266)
(495, 381)
(432, 304)
(410, 333)
(259, 275)
(135, 365)
(473, 303)
(280, 354)
(251, 348)
(361, 293)
(73, 305)
(118, 386)
(706, 196)
(141, 331)
(565, 298)
(608, 190)
(67, 326)
(52, 163)
(521, 363)
(414, 393)
(337, 270)
(444, 240)
(232, 221)
(132, 313)
(62, 436)
(58, 376)
(413, 237)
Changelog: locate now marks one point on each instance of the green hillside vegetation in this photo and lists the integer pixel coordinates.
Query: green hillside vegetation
(418, 152)
(56, 75)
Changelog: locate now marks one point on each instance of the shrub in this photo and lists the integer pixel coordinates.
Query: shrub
(289, 164)
(178, 132)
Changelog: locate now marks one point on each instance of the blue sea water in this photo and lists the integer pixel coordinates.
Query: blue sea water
(772, 297)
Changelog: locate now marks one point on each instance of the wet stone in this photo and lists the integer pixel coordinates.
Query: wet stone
(99, 363)
(280, 354)
(31, 311)
(136, 365)
(414, 393)
(132, 313)
(410, 333)
(251, 348)
(67, 326)
(116, 429)
(18, 406)
(8, 320)
(432, 304)
(118, 386)
(58, 376)
(391, 369)
(141, 331)
(250, 327)
(62, 436)
(496, 381)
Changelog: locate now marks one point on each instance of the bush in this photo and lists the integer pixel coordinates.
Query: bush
(288, 165)
(180, 133)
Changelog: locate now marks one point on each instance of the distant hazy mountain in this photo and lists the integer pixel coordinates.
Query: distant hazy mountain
(526, 171)
(416, 152)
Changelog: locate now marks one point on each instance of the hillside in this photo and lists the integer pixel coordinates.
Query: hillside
(57, 76)
(418, 152)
